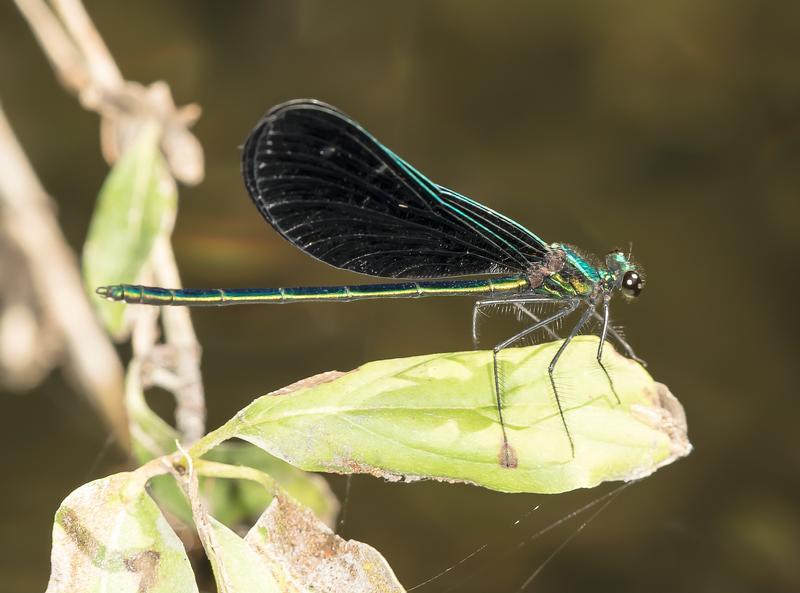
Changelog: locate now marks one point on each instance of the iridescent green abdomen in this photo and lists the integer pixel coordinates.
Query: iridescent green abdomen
(147, 295)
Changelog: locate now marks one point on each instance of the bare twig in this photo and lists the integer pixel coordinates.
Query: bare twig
(86, 37)
(179, 333)
(31, 226)
(65, 58)
(30, 344)
(85, 66)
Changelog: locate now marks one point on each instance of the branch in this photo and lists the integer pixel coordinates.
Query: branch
(86, 68)
(31, 226)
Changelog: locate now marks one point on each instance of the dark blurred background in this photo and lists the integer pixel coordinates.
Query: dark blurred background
(674, 125)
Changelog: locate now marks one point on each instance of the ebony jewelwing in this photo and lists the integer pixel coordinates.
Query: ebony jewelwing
(333, 191)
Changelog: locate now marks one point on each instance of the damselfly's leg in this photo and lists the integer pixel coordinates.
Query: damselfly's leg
(536, 319)
(507, 455)
(603, 334)
(575, 330)
(476, 311)
(517, 302)
(620, 340)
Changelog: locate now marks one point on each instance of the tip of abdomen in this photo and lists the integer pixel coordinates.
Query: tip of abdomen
(111, 293)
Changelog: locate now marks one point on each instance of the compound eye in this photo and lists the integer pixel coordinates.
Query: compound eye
(632, 284)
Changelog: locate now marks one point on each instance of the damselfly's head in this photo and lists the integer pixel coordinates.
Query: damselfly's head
(624, 274)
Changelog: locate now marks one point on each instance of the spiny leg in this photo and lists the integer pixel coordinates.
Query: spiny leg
(581, 322)
(507, 457)
(620, 340)
(476, 311)
(535, 317)
(603, 334)
(517, 301)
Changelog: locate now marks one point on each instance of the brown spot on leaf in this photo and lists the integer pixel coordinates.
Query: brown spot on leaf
(145, 564)
(77, 532)
(309, 382)
(313, 557)
(508, 457)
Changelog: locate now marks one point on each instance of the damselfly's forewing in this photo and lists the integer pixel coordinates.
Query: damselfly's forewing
(330, 188)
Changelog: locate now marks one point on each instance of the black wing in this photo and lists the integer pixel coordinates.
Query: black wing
(330, 188)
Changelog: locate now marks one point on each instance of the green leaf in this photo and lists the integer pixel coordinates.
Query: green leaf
(152, 437)
(109, 535)
(237, 567)
(136, 203)
(435, 416)
(306, 556)
(236, 502)
(232, 502)
(289, 550)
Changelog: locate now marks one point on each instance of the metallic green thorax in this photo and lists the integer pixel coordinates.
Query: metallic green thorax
(575, 277)
(589, 271)
(578, 277)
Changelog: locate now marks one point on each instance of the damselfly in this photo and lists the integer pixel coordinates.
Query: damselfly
(332, 190)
